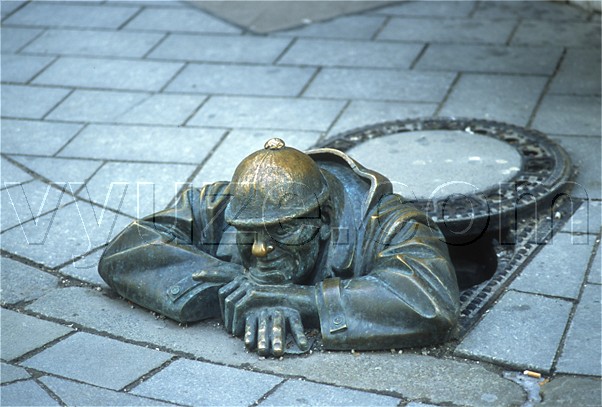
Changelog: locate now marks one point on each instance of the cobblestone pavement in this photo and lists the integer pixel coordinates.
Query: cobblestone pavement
(110, 107)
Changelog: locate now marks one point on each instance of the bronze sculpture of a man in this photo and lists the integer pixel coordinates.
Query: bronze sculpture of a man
(296, 240)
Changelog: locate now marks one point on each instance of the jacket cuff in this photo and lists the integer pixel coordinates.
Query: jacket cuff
(333, 321)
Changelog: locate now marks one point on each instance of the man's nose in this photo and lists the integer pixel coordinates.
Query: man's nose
(261, 247)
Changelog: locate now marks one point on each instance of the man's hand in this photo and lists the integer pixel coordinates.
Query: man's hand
(266, 329)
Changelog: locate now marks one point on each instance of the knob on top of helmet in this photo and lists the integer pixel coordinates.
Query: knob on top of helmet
(273, 185)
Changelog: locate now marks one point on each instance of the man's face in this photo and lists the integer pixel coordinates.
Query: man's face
(282, 253)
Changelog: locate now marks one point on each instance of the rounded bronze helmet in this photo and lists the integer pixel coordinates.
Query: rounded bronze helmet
(276, 184)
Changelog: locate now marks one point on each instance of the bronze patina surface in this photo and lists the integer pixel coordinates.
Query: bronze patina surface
(295, 241)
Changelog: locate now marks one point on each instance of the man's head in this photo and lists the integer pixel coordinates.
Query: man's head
(279, 207)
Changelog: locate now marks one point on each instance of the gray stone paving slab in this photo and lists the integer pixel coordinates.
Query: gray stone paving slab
(71, 15)
(538, 10)
(507, 98)
(595, 274)
(220, 385)
(572, 391)
(362, 113)
(359, 27)
(60, 170)
(21, 68)
(566, 114)
(241, 80)
(562, 259)
(96, 106)
(579, 73)
(586, 219)
(158, 144)
(485, 58)
(28, 201)
(109, 73)
(136, 189)
(448, 30)
(409, 375)
(180, 20)
(521, 330)
(22, 334)
(17, 101)
(26, 393)
(20, 282)
(585, 154)
(11, 373)
(8, 7)
(86, 268)
(163, 109)
(34, 137)
(380, 85)
(115, 364)
(14, 38)
(318, 52)
(581, 353)
(429, 9)
(94, 43)
(11, 174)
(79, 394)
(60, 236)
(268, 113)
(572, 34)
(225, 48)
(302, 393)
(224, 160)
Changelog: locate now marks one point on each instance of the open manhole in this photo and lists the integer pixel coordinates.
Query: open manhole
(495, 190)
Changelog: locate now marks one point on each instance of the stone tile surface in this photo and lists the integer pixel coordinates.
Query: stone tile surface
(180, 20)
(20, 282)
(86, 268)
(585, 154)
(506, 98)
(26, 393)
(96, 106)
(221, 385)
(566, 390)
(579, 73)
(529, 10)
(571, 115)
(71, 15)
(586, 219)
(11, 373)
(9, 7)
(136, 189)
(14, 38)
(61, 170)
(60, 236)
(163, 109)
(492, 340)
(298, 392)
(267, 113)
(444, 31)
(115, 363)
(318, 52)
(485, 58)
(359, 27)
(380, 85)
(562, 259)
(34, 137)
(17, 101)
(581, 353)
(157, 144)
(11, 174)
(541, 32)
(433, 8)
(22, 334)
(22, 68)
(225, 48)
(109, 73)
(362, 113)
(225, 159)
(94, 43)
(79, 394)
(595, 274)
(241, 80)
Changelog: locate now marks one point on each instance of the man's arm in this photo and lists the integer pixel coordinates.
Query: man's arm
(153, 260)
(407, 295)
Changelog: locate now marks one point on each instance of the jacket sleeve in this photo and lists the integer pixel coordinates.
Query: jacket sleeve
(405, 293)
(152, 261)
